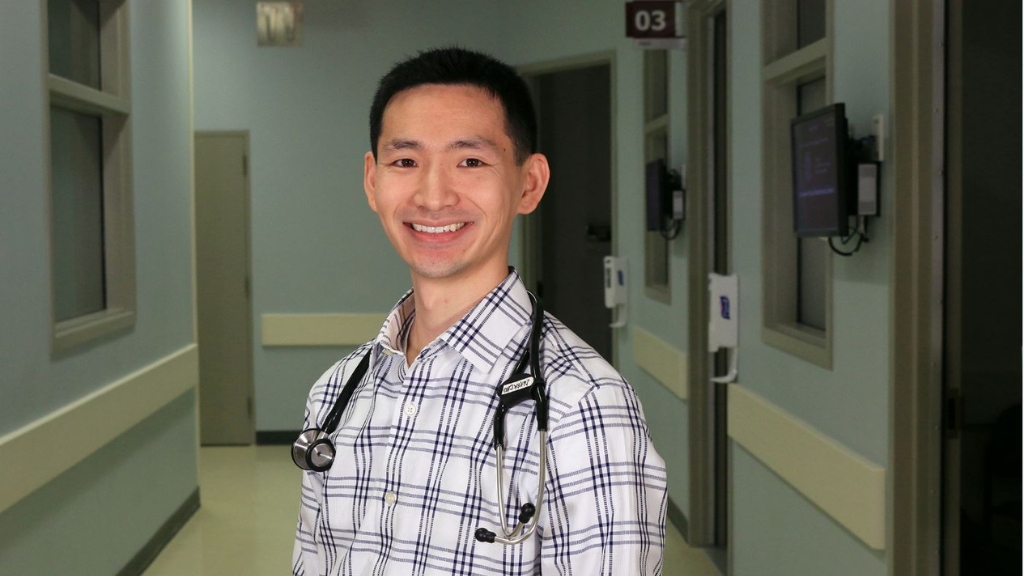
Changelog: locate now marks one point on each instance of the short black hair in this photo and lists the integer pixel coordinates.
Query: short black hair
(455, 66)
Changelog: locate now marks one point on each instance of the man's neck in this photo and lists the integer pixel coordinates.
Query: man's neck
(440, 304)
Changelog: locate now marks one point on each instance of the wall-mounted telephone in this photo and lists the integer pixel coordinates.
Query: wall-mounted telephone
(666, 199)
(616, 290)
(724, 321)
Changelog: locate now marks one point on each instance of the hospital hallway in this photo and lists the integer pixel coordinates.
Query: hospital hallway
(790, 226)
(246, 524)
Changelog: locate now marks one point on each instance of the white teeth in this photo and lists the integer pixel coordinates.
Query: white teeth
(437, 229)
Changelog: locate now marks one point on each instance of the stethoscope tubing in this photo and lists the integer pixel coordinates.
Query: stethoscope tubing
(514, 536)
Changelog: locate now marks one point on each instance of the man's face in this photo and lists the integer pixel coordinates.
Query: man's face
(445, 183)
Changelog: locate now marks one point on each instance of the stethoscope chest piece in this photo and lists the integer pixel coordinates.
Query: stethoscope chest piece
(313, 450)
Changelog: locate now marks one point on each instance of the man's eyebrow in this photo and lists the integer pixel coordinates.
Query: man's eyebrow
(400, 144)
(475, 143)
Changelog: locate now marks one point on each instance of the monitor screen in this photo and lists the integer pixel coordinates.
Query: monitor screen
(820, 173)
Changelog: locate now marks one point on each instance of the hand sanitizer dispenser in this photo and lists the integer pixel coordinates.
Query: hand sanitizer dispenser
(616, 290)
(723, 327)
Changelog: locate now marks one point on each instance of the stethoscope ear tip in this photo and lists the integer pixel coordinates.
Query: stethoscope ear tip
(485, 535)
(526, 513)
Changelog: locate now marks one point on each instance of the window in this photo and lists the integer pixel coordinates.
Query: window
(656, 130)
(797, 272)
(92, 254)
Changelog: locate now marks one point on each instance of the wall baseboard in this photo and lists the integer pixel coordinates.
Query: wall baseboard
(276, 437)
(661, 360)
(678, 519)
(164, 534)
(843, 484)
(96, 419)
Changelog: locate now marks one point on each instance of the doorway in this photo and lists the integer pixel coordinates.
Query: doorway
(223, 288)
(710, 251)
(981, 512)
(569, 235)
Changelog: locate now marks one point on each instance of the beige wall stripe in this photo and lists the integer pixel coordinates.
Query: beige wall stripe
(661, 360)
(320, 329)
(847, 486)
(89, 423)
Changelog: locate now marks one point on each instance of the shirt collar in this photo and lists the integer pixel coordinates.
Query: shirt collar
(481, 334)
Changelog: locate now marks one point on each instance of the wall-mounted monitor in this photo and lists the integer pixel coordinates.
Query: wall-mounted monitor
(821, 173)
(656, 190)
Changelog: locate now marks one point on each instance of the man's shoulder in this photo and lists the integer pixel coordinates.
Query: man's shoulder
(574, 370)
(336, 376)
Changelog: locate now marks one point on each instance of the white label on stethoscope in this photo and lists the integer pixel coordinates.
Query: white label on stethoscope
(514, 386)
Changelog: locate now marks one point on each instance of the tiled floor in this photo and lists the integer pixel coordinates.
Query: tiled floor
(247, 521)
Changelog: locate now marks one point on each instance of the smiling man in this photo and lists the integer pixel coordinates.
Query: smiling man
(475, 435)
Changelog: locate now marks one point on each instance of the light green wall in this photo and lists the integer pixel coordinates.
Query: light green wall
(849, 403)
(34, 383)
(316, 246)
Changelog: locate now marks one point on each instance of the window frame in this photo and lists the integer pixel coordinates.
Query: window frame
(785, 67)
(112, 104)
(657, 127)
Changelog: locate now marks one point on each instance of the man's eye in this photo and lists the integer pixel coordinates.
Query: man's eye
(471, 163)
(405, 163)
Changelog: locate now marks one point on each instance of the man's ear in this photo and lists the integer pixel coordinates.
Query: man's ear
(538, 173)
(370, 179)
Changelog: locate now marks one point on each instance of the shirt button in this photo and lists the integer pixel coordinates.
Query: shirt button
(410, 409)
(391, 498)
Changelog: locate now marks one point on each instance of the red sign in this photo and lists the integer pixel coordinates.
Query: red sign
(652, 19)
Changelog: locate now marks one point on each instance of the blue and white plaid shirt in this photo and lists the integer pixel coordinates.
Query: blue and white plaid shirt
(414, 475)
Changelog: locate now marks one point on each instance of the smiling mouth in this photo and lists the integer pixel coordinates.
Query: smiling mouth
(437, 229)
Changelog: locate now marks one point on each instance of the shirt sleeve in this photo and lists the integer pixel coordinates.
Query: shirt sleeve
(304, 542)
(305, 561)
(298, 567)
(606, 502)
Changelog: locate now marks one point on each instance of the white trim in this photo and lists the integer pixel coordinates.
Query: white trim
(664, 362)
(30, 457)
(68, 94)
(320, 329)
(808, 60)
(845, 485)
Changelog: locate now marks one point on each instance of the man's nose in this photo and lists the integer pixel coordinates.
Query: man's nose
(435, 191)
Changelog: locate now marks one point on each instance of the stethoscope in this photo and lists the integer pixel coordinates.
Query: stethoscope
(314, 451)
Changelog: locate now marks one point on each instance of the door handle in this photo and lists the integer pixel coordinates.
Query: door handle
(599, 233)
(729, 377)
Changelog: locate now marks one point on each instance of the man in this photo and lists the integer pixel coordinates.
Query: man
(453, 161)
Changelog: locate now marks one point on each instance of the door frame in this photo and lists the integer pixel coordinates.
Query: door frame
(918, 109)
(701, 523)
(244, 134)
(530, 237)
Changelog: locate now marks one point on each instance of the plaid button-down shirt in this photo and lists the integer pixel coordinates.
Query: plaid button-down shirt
(414, 475)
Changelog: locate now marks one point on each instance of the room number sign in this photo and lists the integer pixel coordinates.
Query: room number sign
(654, 19)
